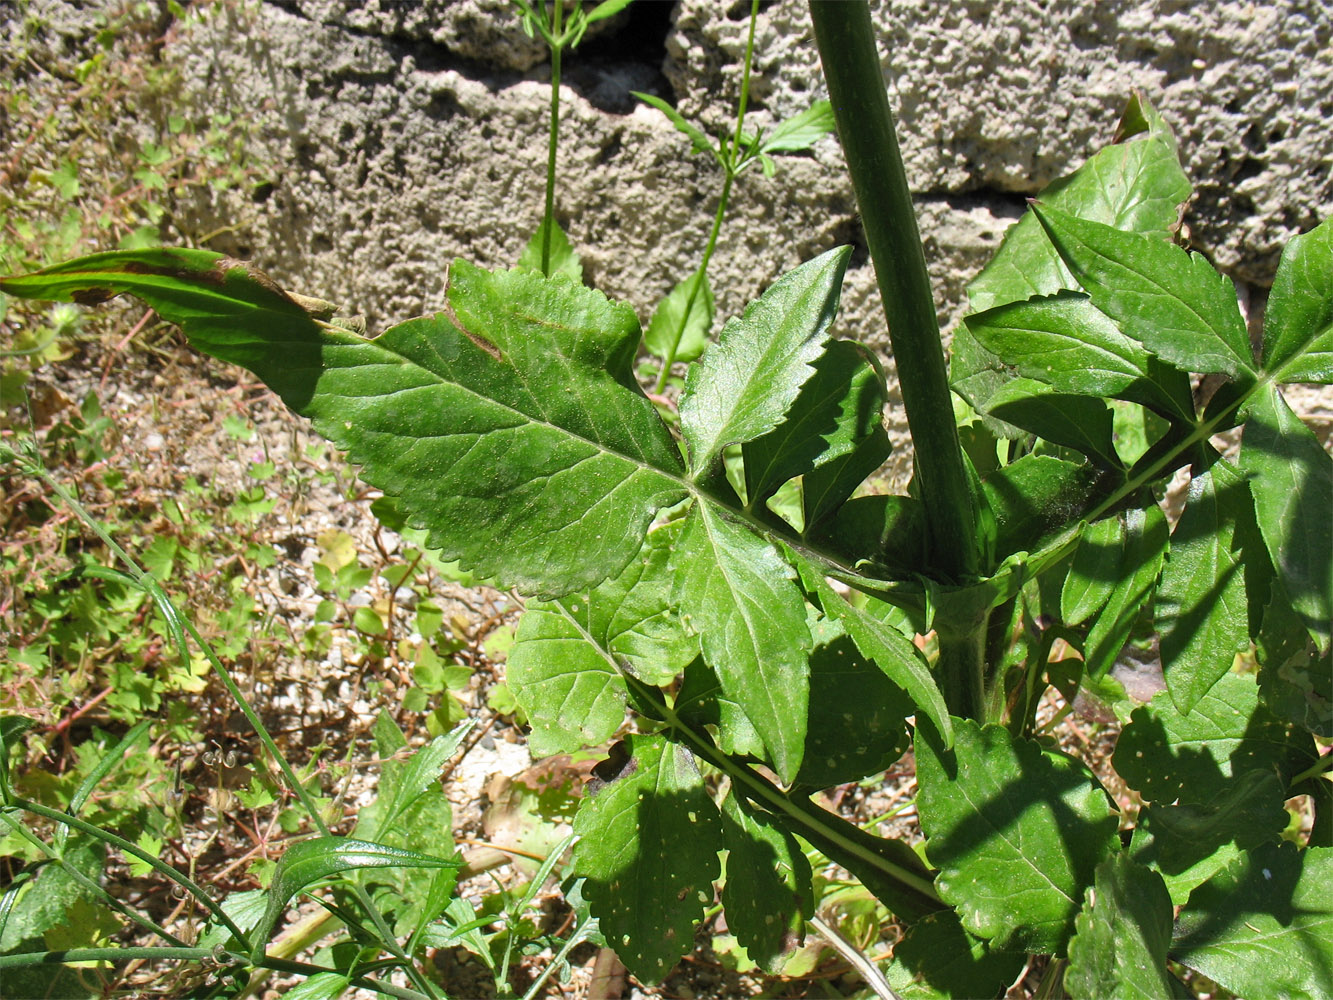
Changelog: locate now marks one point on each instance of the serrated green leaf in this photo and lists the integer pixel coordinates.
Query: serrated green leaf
(1067, 342)
(1141, 555)
(747, 381)
(737, 593)
(1094, 571)
(767, 894)
(45, 904)
(803, 130)
(1264, 927)
(702, 701)
(1200, 607)
(648, 852)
(1298, 325)
(1016, 831)
(1079, 422)
(303, 864)
(1166, 755)
(884, 530)
(403, 782)
(1136, 186)
(669, 314)
(1036, 495)
(886, 647)
(563, 259)
(1171, 301)
(1121, 938)
(1189, 843)
(566, 660)
(700, 142)
(1291, 477)
(939, 960)
(857, 714)
(836, 418)
(513, 416)
(1296, 681)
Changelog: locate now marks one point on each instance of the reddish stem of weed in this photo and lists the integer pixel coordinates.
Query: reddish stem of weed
(64, 724)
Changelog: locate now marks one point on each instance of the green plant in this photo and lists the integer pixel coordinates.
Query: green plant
(389, 886)
(771, 644)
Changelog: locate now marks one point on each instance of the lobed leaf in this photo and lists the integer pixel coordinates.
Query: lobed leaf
(567, 656)
(1136, 186)
(670, 314)
(1264, 927)
(837, 418)
(1171, 301)
(1067, 342)
(1298, 324)
(748, 380)
(1291, 477)
(1016, 831)
(403, 784)
(1167, 755)
(738, 594)
(767, 894)
(648, 843)
(1200, 607)
(514, 415)
(1190, 843)
(1121, 938)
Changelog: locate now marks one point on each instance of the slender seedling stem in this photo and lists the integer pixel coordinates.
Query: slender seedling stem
(553, 139)
(732, 163)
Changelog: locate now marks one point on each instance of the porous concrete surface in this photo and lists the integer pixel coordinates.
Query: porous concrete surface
(405, 135)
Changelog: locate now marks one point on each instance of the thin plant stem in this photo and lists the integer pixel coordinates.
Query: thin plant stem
(732, 166)
(557, 45)
(23, 959)
(159, 866)
(88, 883)
(861, 963)
(574, 941)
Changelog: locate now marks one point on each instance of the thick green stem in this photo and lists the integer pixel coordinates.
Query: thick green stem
(553, 142)
(851, 64)
(959, 671)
